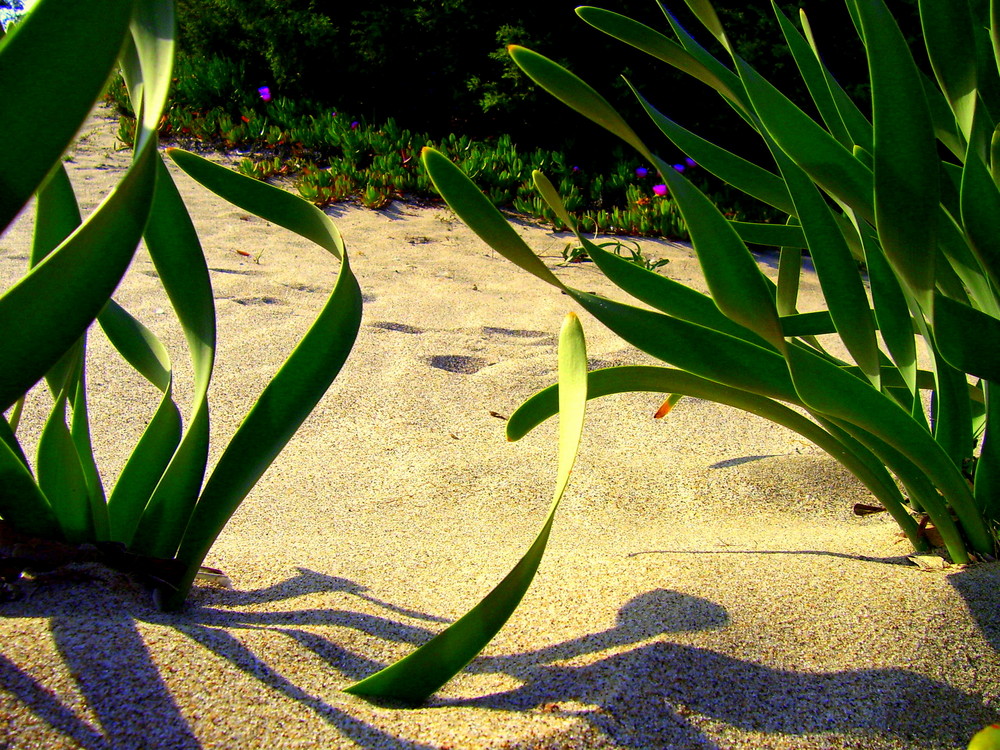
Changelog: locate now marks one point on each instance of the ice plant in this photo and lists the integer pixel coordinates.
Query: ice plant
(641, 172)
(265, 93)
(53, 67)
(900, 215)
(660, 190)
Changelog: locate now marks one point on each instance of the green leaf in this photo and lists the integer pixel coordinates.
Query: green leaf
(949, 37)
(906, 162)
(816, 78)
(838, 272)
(832, 392)
(22, 503)
(665, 294)
(417, 676)
(61, 477)
(576, 94)
(170, 480)
(978, 354)
(738, 172)
(294, 390)
(657, 45)
(50, 307)
(483, 218)
(827, 162)
(770, 235)
(737, 285)
(980, 205)
(53, 67)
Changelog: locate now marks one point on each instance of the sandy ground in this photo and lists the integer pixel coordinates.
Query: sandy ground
(706, 584)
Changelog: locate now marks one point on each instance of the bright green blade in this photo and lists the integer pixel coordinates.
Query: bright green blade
(839, 277)
(655, 290)
(53, 67)
(417, 676)
(702, 350)
(170, 481)
(576, 94)
(483, 218)
(906, 161)
(294, 390)
(61, 477)
(47, 310)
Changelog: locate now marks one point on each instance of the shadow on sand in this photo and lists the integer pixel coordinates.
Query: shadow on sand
(645, 692)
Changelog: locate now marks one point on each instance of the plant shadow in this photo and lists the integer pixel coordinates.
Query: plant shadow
(628, 682)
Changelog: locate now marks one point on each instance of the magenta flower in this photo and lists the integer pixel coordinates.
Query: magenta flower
(679, 167)
(265, 93)
(690, 162)
(354, 125)
(660, 190)
(641, 172)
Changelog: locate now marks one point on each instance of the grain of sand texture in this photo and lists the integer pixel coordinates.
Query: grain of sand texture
(706, 584)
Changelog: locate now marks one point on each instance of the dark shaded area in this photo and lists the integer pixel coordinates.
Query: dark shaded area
(398, 327)
(644, 696)
(442, 67)
(459, 363)
(729, 462)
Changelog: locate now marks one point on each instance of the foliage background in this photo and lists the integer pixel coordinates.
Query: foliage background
(440, 65)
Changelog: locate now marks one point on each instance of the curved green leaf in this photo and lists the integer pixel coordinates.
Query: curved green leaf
(293, 391)
(417, 676)
(576, 94)
(53, 67)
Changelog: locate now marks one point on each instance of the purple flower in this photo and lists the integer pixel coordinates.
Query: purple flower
(354, 125)
(690, 162)
(641, 171)
(660, 190)
(679, 167)
(265, 93)
(576, 169)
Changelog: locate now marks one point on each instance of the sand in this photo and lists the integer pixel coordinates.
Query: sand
(706, 584)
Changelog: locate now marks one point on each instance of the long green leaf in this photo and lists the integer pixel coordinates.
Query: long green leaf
(657, 45)
(827, 162)
(172, 477)
(836, 269)
(977, 355)
(293, 391)
(737, 285)
(735, 170)
(417, 676)
(576, 94)
(832, 392)
(52, 69)
(949, 37)
(815, 77)
(906, 161)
